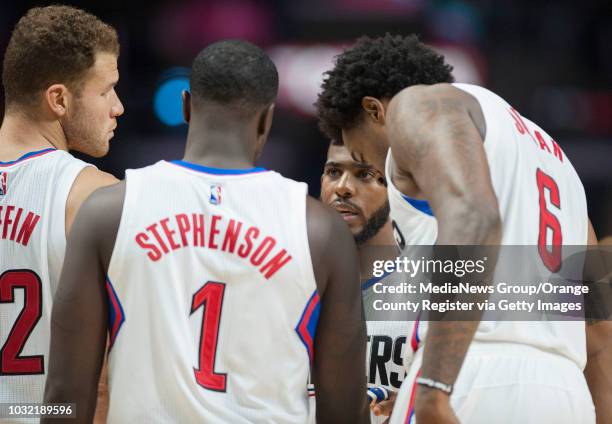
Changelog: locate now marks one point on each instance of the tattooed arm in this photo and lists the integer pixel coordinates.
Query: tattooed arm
(436, 136)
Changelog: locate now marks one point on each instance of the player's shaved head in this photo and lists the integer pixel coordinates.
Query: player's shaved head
(236, 74)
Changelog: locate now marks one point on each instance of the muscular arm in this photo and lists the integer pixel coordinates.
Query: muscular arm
(339, 350)
(80, 313)
(598, 370)
(433, 138)
(89, 180)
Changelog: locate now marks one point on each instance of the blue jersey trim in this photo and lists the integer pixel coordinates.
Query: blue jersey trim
(116, 316)
(373, 281)
(421, 205)
(217, 171)
(29, 155)
(307, 325)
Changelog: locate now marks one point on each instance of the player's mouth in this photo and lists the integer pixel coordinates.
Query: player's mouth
(348, 212)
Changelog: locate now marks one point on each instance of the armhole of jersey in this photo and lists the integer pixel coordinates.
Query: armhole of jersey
(57, 231)
(118, 254)
(308, 268)
(395, 195)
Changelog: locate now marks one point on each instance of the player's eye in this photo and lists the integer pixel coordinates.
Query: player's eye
(363, 174)
(333, 172)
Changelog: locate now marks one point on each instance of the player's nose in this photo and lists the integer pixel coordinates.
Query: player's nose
(117, 109)
(345, 186)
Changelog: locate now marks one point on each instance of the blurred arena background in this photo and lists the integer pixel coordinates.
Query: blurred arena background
(551, 60)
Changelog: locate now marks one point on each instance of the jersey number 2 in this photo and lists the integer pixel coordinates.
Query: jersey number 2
(11, 363)
(548, 221)
(210, 297)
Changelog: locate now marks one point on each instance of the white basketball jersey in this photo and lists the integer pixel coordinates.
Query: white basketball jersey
(389, 342)
(33, 194)
(531, 177)
(213, 298)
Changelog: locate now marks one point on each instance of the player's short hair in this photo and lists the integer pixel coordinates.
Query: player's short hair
(378, 67)
(234, 73)
(51, 45)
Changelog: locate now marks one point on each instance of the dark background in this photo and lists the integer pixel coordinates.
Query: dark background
(551, 60)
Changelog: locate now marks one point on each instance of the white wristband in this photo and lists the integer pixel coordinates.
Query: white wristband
(428, 382)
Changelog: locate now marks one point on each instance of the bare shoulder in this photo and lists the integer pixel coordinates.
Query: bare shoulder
(319, 221)
(107, 199)
(422, 103)
(99, 217)
(102, 208)
(416, 110)
(323, 224)
(88, 180)
(328, 236)
(429, 99)
(319, 225)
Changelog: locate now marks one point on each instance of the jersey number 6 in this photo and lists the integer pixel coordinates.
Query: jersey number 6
(552, 258)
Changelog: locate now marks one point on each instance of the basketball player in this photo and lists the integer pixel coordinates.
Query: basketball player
(460, 162)
(358, 192)
(59, 70)
(216, 273)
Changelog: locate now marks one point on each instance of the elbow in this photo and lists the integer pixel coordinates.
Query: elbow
(490, 226)
(55, 390)
(61, 390)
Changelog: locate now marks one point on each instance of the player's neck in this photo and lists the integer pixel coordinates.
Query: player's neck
(384, 237)
(20, 135)
(217, 148)
(380, 247)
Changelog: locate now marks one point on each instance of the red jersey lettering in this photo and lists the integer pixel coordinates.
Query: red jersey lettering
(154, 254)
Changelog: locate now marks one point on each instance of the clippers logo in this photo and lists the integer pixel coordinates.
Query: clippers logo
(3, 178)
(215, 195)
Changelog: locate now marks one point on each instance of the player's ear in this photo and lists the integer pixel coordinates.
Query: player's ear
(265, 121)
(186, 105)
(57, 97)
(374, 109)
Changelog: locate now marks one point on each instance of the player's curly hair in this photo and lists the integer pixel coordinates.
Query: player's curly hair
(52, 45)
(378, 67)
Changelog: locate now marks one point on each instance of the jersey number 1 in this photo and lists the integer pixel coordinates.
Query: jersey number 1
(548, 221)
(210, 297)
(11, 363)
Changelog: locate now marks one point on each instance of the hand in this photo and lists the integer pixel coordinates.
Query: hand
(433, 407)
(384, 407)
